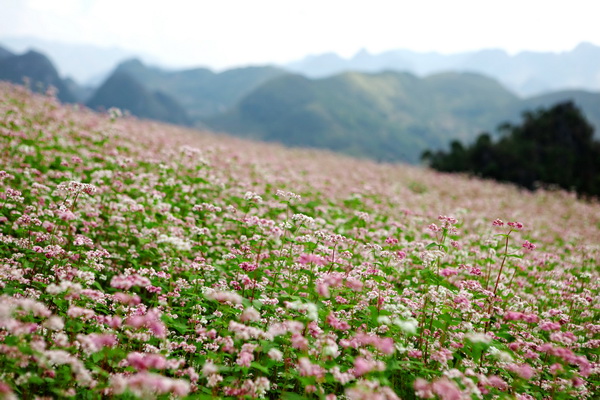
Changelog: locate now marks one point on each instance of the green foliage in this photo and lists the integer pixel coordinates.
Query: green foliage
(552, 146)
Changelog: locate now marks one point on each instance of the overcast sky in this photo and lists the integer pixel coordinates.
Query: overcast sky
(225, 33)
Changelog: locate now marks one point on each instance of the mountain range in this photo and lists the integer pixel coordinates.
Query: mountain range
(86, 64)
(36, 68)
(388, 115)
(526, 73)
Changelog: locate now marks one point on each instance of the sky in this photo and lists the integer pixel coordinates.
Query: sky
(227, 33)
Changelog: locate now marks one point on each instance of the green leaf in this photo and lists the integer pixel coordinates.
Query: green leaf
(292, 396)
(97, 356)
(259, 367)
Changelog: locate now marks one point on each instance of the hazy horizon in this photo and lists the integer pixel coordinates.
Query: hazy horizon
(237, 33)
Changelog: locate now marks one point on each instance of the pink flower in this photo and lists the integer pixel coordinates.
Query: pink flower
(354, 284)
(497, 382)
(446, 389)
(250, 314)
(523, 370)
(434, 228)
(299, 342)
(415, 353)
(515, 225)
(362, 366)
(306, 368)
(498, 222)
(323, 289)
(423, 389)
(144, 361)
(223, 297)
(311, 259)
(549, 326)
(391, 240)
(244, 359)
(336, 323)
(513, 315)
(448, 272)
(528, 245)
(442, 356)
(246, 266)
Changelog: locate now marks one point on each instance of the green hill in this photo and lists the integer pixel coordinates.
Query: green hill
(201, 91)
(36, 68)
(388, 116)
(125, 92)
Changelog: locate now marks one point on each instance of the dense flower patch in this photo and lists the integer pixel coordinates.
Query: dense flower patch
(139, 260)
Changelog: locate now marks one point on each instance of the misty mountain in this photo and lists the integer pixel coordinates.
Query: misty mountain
(123, 91)
(389, 116)
(201, 91)
(87, 64)
(4, 53)
(526, 73)
(588, 102)
(38, 70)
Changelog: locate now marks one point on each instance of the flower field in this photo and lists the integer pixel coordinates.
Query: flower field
(140, 260)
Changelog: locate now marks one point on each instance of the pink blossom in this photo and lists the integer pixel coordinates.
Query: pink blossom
(223, 297)
(513, 315)
(145, 361)
(446, 389)
(528, 245)
(549, 326)
(246, 266)
(423, 389)
(336, 323)
(442, 356)
(498, 222)
(244, 359)
(250, 314)
(362, 366)
(415, 353)
(497, 382)
(306, 368)
(523, 370)
(299, 342)
(311, 259)
(146, 385)
(354, 284)
(448, 272)
(515, 225)
(323, 289)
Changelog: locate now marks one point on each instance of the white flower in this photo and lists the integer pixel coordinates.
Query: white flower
(408, 326)
(478, 337)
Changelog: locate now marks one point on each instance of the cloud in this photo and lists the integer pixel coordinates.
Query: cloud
(229, 32)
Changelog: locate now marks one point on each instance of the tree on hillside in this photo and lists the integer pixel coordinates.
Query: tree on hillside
(552, 146)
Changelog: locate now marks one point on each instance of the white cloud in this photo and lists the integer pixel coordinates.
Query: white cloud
(229, 32)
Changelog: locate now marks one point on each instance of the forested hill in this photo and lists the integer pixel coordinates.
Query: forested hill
(388, 116)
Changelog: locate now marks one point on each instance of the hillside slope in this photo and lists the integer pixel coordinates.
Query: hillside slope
(123, 91)
(143, 260)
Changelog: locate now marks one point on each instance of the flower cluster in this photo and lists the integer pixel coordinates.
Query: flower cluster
(140, 260)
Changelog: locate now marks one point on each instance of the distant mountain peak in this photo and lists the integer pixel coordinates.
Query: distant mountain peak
(38, 69)
(526, 73)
